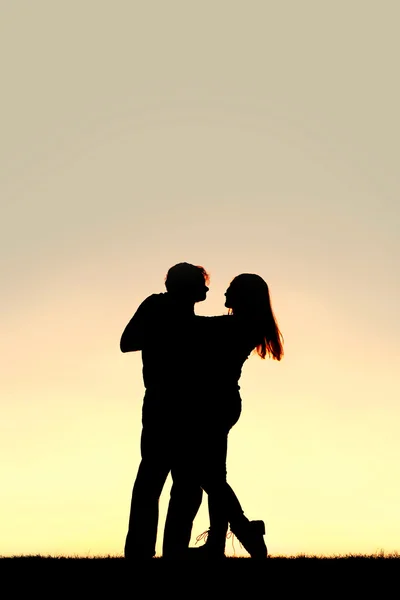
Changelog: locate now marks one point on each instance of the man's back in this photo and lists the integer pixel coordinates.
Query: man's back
(163, 331)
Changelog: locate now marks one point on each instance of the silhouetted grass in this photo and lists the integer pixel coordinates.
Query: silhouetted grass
(108, 559)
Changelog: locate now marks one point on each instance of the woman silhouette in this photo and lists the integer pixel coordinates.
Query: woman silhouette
(223, 345)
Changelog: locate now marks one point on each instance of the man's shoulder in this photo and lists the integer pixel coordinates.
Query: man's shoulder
(154, 300)
(160, 297)
(149, 307)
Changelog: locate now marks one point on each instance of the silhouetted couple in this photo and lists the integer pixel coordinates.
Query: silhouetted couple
(191, 369)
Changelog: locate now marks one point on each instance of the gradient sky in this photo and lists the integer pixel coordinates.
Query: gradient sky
(246, 136)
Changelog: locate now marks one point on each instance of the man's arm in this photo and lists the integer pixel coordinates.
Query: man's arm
(134, 334)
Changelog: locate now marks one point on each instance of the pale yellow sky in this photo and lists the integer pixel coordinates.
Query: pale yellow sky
(244, 136)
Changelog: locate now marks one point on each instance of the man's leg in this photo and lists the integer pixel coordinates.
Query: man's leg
(186, 493)
(184, 503)
(152, 474)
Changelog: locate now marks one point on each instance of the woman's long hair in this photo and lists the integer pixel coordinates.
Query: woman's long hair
(248, 298)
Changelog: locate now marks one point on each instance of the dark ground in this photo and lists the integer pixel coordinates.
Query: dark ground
(375, 576)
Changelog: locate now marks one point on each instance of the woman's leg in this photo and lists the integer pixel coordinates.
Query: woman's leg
(211, 468)
(224, 505)
(225, 414)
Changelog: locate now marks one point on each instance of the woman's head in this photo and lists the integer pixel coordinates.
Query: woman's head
(248, 297)
(246, 292)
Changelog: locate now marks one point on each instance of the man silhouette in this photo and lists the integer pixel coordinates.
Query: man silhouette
(161, 329)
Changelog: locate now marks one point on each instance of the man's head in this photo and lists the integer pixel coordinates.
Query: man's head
(188, 282)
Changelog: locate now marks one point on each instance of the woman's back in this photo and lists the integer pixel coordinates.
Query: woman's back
(223, 345)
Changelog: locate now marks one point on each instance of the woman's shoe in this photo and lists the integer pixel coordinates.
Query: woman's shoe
(212, 549)
(251, 535)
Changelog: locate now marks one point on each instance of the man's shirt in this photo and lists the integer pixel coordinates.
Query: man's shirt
(162, 331)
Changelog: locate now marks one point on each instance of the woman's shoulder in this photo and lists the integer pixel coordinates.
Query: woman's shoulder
(226, 326)
(212, 328)
(218, 322)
